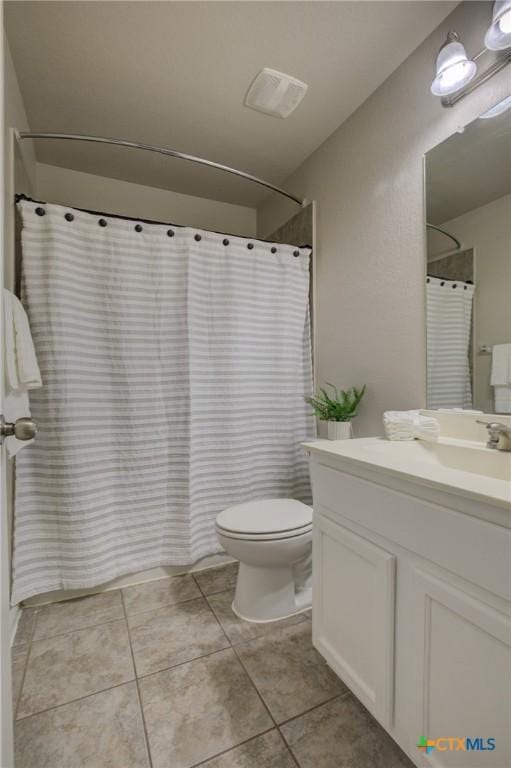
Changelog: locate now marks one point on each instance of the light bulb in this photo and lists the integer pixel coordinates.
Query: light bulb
(497, 109)
(453, 68)
(454, 76)
(505, 23)
(498, 36)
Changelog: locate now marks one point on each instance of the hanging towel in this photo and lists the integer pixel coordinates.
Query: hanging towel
(501, 365)
(501, 377)
(503, 399)
(20, 366)
(408, 425)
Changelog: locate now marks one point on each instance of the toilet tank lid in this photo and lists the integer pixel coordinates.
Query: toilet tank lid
(265, 516)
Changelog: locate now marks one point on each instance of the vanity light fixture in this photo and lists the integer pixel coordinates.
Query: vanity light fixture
(455, 71)
(453, 67)
(498, 109)
(498, 36)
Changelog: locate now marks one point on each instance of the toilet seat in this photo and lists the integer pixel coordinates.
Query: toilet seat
(264, 536)
(265, 520)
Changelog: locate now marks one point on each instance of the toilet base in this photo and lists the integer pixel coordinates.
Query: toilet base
(267, 594)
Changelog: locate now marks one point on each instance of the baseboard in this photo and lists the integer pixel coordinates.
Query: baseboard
(142, 577)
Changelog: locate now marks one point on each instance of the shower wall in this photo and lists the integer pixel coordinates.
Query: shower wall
(296, 230)
(456, 266)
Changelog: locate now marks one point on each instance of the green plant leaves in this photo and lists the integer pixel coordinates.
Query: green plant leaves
(340, 406)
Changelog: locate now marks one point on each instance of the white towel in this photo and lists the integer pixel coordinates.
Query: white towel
(20, 366)
(501, 377)
(501, 365)
(502, 399)
(408, 425)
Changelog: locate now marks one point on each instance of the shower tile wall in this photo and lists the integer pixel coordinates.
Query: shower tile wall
(457, 266)
(297, 231)
(164, 675)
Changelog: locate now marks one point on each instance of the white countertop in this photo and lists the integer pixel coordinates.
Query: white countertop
(434, 464)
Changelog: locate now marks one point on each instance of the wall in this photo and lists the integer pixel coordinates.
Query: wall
(98, 193)
(367, 179)
(12, 167)
(19, 159)
(488, 231)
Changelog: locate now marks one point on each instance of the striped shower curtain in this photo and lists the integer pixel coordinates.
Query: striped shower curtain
(175, 364)
(449, 323)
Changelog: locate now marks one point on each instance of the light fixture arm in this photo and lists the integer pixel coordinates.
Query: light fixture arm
(456, 73)
(502, 61)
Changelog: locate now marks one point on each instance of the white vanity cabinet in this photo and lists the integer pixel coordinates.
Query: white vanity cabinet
(412, 607)
(354, 607)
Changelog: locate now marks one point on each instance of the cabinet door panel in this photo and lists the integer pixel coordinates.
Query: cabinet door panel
(353, 617)
(463, 670)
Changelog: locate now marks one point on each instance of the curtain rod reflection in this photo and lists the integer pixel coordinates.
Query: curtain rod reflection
(444, 232)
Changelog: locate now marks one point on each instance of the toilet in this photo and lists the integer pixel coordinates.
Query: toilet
(272, 539)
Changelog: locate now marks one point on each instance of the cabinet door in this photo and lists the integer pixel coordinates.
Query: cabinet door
(353, 616)
(462, 652)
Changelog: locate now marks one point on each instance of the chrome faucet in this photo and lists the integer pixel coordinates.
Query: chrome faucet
(499, 435)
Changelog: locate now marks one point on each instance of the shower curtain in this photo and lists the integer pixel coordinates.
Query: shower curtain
(449, 322)
(175, 363)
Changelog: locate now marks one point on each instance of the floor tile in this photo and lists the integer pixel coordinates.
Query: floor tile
(25, 626)
(77, 614)
(342, 734)
(174, 634)
(236, 629)
(17, 671)
(67, 667)
(217, 579)
(157, 594)
(267, 751)
(200, 709)
(288, 672)
(19, 655)
(101, 731)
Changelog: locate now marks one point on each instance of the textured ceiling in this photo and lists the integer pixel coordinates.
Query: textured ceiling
(469, 169)
(176, 73)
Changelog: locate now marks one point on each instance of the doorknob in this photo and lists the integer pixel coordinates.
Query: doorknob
(22, 429)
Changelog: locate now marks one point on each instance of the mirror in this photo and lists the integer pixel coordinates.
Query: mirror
(468, 282)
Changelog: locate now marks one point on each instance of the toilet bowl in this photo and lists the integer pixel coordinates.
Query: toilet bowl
(272, 539)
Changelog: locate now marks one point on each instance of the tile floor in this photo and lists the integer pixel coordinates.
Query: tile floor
(164, 675)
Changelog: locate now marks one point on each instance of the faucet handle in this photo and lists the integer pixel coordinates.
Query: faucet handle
(499, 435)
(496, 426)
(491, 426)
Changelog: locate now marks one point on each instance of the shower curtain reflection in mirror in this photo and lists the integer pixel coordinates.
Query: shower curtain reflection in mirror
(449, 333)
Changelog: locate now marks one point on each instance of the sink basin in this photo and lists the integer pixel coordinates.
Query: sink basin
(449, 453)
(470, 457)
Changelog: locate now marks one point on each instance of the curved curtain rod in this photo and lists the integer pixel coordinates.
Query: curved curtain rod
(161, 151)
(444, 232)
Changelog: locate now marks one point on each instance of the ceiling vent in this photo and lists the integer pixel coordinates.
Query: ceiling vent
(274, 93)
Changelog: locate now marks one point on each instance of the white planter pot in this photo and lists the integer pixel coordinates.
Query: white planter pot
(339, 430)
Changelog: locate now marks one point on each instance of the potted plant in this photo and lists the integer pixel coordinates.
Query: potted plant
(338, 409)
